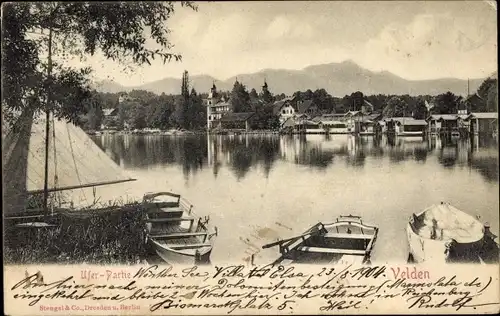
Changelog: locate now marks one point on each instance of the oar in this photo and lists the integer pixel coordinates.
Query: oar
(285, 240)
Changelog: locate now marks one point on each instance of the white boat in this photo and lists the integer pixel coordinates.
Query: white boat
(173, 230)
(443, 233)
(347, 240)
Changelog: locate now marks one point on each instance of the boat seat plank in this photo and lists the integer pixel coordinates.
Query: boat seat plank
(332, 250)
(178, 235)
(173, 219)
(187, 246)
(165, 209)
(349, 236)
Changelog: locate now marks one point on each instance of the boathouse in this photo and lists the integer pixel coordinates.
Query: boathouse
(406, 126)
(307, 126)
(483, 123)
(235, 121)
(351, 118)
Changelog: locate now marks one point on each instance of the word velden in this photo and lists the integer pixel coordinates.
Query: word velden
(238, 289)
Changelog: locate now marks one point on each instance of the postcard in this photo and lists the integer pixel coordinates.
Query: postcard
(243, 158)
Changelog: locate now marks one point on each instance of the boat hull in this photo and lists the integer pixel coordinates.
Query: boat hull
(346, 241)
(444, 250)
(173, 256)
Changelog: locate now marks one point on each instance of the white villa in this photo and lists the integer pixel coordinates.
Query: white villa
(216, 107)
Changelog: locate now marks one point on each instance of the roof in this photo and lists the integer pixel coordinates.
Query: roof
(484, 115)
(353, 113)
(304, 106)
(278, 105)
(473, 97)
(108, 112)
(221, 103)
(290, 122)
(372, 116)
(407, 121)
(331, 122)
(444, 117)
(366, 102)
(236, 117)
(326, 117)
(306, 121)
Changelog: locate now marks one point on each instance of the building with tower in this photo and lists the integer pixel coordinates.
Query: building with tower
(217, 106)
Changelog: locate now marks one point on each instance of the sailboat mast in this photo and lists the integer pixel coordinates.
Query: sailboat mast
(47, 127)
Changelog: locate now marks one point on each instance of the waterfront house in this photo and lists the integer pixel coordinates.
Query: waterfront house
(406, 126)
(483, 122)
(359, 121)
(367, 124)
(367, 107)
(109, 118)
(235, 121)
(351, 118)
(473, 101)
(217, 107)
(436, 121)
(285, 108)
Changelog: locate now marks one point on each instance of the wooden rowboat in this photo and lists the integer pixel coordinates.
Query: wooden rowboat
(347, 240)
(173, 230)
(443, 233)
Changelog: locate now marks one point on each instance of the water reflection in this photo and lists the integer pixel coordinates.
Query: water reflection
(242, 153)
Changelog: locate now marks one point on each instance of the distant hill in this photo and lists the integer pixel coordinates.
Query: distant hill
(338, 79)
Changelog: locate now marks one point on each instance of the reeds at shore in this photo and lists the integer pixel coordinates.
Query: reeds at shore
(114, 235)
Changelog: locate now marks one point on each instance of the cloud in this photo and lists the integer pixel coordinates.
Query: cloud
(438, 45)
(287, 28)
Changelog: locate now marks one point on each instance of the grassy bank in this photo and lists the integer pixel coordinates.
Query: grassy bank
(114, 236)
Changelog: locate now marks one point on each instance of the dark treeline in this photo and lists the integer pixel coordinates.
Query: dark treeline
(140, 109)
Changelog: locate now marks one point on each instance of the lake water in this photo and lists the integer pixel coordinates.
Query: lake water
(257, 188)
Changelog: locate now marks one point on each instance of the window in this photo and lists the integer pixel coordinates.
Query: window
(283, 112)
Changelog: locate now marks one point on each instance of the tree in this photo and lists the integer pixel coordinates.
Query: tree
(138, 116)
(266, 95)
(357, 99)
(279, 97)
(307, 95)
(492, 98)
(323, 100)
(253, 95)
(420, 111)
(186, 112)
(394, 108)
(240, 98)
(485, 87)
(78, 29)
(446, 103)
(197, 110)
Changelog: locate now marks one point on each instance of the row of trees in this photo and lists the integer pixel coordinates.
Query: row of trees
(188, 111)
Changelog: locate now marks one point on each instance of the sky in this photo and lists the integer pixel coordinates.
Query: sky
(414, 40)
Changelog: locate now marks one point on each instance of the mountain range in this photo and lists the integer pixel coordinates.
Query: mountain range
(338, 79)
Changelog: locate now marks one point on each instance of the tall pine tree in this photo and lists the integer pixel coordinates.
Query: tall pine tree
(240, 98)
